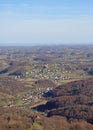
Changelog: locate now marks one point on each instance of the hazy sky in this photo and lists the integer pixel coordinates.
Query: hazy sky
(31, 22)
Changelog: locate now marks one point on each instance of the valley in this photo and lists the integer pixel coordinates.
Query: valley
(53, 83)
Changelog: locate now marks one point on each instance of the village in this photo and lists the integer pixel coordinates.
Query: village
(59, 65)
(55, 72)
(33, 96)
(49, 71)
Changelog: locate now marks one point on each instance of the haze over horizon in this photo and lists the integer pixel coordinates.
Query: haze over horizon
(34, 22)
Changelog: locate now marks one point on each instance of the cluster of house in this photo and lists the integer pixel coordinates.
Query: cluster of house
(31, 97)
(49, 72)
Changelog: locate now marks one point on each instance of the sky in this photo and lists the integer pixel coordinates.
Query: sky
(45, 22)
